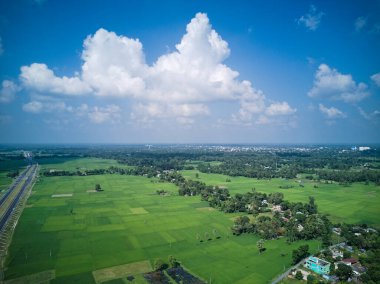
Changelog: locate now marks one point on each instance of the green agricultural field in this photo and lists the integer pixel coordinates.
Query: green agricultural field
(4, 181)
(357, 203)
(71, 164)
(82, 231)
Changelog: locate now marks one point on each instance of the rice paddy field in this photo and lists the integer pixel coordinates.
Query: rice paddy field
(356, 203)
(70, 234)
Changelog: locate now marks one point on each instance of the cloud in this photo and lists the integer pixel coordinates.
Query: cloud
(33, 107)
(376, 79)
(312, 19)
(183, 113)
(279, 109)
(47, 106)
(1, 46)
(39, 77)
(330, 84)
(8, 91)
(369, 116)
(331, 113)
(360, 23)
(179, 84)
(110, 113)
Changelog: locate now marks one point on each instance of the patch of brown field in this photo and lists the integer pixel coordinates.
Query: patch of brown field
(62, 195)
(120, 271)
(91, 190)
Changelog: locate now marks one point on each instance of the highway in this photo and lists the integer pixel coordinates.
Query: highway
(13, 186)
(29, 173)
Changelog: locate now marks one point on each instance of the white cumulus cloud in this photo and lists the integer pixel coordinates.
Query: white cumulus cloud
(332, 112)
(8, 91)
(376, 79)
(40, 78)
(312, 19)
(279, 109)
(329, 83)
(179, 84)
(33, 107)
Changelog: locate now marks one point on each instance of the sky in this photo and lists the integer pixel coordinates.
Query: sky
(189, 71)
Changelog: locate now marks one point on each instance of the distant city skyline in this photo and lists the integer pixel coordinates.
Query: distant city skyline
(224, 72)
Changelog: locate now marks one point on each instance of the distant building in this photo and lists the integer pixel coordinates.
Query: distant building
(364, 148)
(318, 265)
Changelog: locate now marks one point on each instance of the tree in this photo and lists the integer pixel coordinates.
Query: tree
(98, 187)
(346, 254)
(196, 175)
(343, 272)
(299, 275)
(310, 279)
(260, 245)
(332, 268)
(159, 264)
(173, 261)
(300, 253)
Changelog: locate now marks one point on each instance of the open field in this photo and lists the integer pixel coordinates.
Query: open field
(129, 223)
(72, 164)
(5, 182)
(357, 203)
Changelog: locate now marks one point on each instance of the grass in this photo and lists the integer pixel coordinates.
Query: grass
(72, 164)
(357, 203)
(128, 223)
(5, 182)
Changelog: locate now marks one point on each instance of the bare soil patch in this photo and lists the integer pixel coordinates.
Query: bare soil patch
(121, 271)
(62, 195)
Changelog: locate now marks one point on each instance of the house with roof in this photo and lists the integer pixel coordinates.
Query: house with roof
(317, 265)
(349, 261)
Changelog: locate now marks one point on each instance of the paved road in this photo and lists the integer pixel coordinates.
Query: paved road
(13, 186)
(283, 275)
(30, 175)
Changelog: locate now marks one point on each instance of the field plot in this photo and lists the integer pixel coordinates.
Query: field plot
(72, 164)
(129, 223)
(356, 203)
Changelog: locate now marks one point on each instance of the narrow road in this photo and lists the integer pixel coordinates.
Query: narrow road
(283, 275)
(29, 174)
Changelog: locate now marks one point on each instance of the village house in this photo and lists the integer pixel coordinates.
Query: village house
(336, 231)
(317, 265)
(349, 261)
(337, 253)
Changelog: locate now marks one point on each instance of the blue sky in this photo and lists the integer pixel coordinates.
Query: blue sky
(189, 71)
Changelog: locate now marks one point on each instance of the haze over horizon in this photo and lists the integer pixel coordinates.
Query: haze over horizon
(189, 72)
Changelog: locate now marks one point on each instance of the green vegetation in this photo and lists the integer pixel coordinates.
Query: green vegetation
(105, 214)
(357, 203)
(128, 223)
